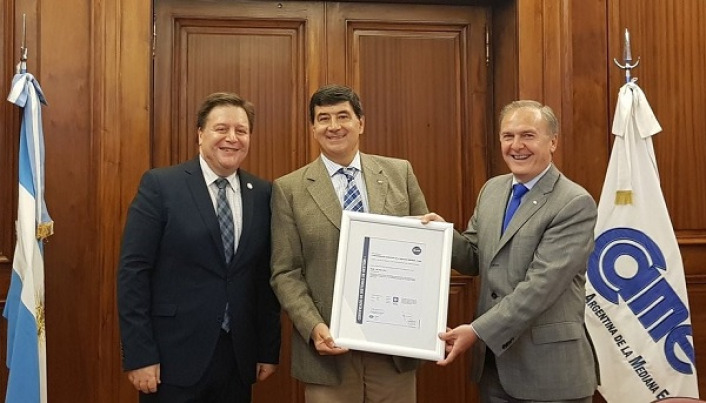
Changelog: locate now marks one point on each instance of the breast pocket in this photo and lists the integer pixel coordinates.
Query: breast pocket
(397, 207)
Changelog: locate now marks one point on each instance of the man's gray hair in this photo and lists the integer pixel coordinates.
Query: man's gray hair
(546, 112)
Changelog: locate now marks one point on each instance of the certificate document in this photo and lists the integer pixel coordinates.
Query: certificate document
(391, 285)
(390, 282)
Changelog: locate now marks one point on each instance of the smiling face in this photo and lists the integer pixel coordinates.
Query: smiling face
(338, 129)
(224, 139)
(527, 143)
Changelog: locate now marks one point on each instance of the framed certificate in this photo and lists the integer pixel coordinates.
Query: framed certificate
(392, 285)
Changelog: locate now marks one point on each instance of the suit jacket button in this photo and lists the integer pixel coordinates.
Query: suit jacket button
(493, 295)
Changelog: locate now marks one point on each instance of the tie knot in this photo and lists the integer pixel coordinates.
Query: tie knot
(348, 172)
(221, 183)
(518, 190)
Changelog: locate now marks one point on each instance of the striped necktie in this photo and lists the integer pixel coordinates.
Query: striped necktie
(352, 200)
(225, 221)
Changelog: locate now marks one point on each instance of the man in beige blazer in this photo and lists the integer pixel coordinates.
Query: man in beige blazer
(306, 219)
(528, 338)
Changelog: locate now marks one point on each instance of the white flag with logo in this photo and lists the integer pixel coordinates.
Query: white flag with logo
(637, 311)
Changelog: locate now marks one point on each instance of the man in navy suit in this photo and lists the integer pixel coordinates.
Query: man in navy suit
(198, 319)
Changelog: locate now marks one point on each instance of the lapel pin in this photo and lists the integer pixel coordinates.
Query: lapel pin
(249, 185)
(379, 181)
(533, 201)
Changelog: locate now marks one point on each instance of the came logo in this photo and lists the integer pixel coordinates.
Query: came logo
(627, 265)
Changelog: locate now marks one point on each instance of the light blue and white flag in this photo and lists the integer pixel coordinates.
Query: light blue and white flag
(637, 310)
(24, 310)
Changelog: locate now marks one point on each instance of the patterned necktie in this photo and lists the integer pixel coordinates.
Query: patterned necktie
(352, 200)
(518, 190)
(225, 221)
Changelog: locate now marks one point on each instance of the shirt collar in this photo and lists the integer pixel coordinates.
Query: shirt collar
(333, 167)
(530, 183)
(209, 176)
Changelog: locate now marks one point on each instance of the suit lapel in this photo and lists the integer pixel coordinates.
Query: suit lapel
(376, 183)
(321, 191)
(498, 196)
(535, 199)
(247, 198)
(204, 204)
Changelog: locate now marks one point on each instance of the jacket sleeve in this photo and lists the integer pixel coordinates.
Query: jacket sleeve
(141, 238)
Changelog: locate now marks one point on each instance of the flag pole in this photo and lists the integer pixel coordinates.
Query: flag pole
(22, 65)
(627, 56)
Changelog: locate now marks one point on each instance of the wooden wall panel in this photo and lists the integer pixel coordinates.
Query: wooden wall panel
(9, 135)
(697, 302)
(121, 60)
(559, 48)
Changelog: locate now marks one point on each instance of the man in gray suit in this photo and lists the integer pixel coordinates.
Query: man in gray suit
(528, 337)
(307, 206)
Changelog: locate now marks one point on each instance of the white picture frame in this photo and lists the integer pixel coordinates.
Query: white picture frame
(392, 285)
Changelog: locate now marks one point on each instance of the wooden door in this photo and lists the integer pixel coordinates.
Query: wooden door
(422, 75)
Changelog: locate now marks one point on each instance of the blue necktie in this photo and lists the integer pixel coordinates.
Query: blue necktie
(352, 200)
(225, 221)
(518, 190)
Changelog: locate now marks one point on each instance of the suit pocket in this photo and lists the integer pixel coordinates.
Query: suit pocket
(557, 332)
(164, 309)
(396, 205)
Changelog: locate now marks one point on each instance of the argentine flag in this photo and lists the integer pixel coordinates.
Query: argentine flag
(24, 310)
(637, 311)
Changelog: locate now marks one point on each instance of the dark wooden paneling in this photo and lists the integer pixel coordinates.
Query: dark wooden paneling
(697, 302)
(121, 90)
(504, 62)
(8, 144)
(9, 136)
(71, 277)
(584, 93)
